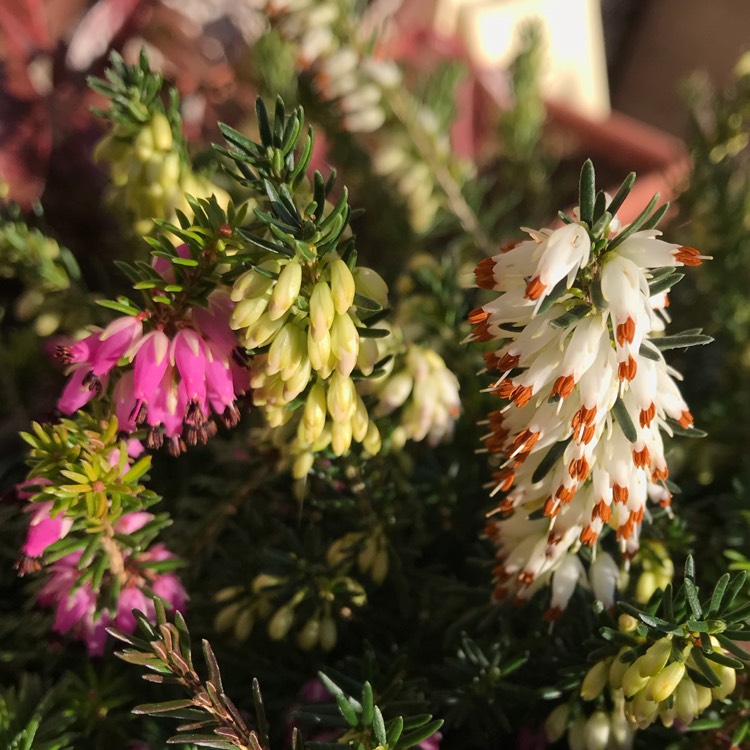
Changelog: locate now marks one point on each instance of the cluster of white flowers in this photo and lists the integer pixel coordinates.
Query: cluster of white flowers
(351, 81)
(359, 86)
(588, 393)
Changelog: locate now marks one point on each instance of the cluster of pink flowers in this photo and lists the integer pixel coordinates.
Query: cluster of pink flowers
(182, 370)
(77, 606)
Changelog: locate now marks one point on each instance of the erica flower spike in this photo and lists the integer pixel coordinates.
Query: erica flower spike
(586, 392)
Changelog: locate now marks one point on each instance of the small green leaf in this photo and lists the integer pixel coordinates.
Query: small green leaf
(554, 454)
(378, 726)
(421, 734)
(587, 192)
(718, 594)
(705, 668)
(691, 594)
(623, 419)
(621, 194)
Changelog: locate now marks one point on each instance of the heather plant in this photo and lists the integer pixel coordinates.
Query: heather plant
(429, 499)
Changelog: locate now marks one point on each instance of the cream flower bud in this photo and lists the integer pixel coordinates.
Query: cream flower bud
(686, 700)
(577, 734)
(261, 332)
(162, 132)
(341, 437)
(297, 382)
(341, 398)
(360, 421)
(372, 441)
(285, 290)
(705, 697)
(328, 635)
(322, 310)
(665, 682)
(281, 622)
(244, 624)
(728, 678)
(370, 284)
(252, 283)
(632, 681)
(344, 343)
(280, 349)
(595, 680)
(342, 286)
(655, 658)
(396, 390)
(307, 638)
(319, 351)
(314, 415)
(557, 722)
(247, 312)
(596, 734)
(617, 670)
(368, 355)
(302, 465)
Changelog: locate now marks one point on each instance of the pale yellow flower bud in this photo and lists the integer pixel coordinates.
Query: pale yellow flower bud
(170, 170)
(577, 733)
(281, 622)
(319, 351)
(262, 331)
(398, 438)
(227, 593)
(307, 638)
(595, 680)
(322, 310)
(395, 391)
(285, 290)
(596, 734)
(728, 678)
(641, 710)
(557, 722)
(302, 465)
(627, 623)
(161, 132)
(341, 399)
(144, 145)
(298, 382)
(370, 284)
(356, 591)
(341, 437)
(243, 626)
(705, 697)
(297, 353)
(328, 635)
(368, 355)
(323, 441)
(632, 681)
(226, 617)
(645, 586)
(372, 442)
(344, 343)
(247, 312)
(360, 421)
(686, 700)
(252, 283)
(280, 350)
(665, 682)
(342, 286)
(655, 657)
(314, 415)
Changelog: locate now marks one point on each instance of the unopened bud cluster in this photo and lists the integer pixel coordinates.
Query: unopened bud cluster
(301, 319)
(657, 684)
(604, 729)
(361, 86)
(657, 570)
(369, 549)
(309, 612)
(150, 173)
(425, 392)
